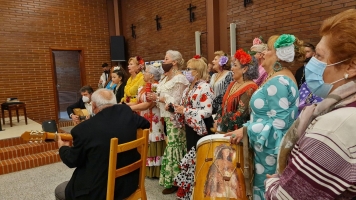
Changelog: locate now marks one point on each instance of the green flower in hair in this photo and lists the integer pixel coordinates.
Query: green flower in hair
(284, 41)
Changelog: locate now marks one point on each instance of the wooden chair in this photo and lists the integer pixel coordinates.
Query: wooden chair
(141, 143)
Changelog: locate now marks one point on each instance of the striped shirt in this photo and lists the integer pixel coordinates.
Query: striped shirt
(322, 165)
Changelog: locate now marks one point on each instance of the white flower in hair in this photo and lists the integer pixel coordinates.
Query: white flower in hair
(116, 68)
(157, 64)
(286, 53)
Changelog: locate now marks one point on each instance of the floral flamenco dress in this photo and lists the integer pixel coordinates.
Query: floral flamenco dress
(234, 111)
(131, 88)
(197, 121)
(274, 107)
(157, 143)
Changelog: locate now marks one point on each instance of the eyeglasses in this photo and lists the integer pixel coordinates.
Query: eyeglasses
(190, 69)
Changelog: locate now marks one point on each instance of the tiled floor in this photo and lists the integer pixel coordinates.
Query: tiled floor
(39, 183)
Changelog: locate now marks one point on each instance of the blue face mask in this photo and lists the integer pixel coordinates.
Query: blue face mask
(314, 71)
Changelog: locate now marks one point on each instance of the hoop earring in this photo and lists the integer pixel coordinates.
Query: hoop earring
(279, 66)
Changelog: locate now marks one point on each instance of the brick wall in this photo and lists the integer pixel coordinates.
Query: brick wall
(299, 17)
(177, 32)
(30, 28)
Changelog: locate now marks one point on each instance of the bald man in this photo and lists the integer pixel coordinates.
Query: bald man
(90, 153)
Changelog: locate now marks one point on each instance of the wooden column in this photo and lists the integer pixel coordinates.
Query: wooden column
(212, 19)
(223, 27)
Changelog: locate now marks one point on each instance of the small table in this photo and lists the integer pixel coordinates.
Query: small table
(10, 106)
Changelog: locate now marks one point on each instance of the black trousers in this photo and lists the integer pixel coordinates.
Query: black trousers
(192, 136)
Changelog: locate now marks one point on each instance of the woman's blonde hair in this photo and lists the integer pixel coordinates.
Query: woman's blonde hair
(201, 67)
(138, 61)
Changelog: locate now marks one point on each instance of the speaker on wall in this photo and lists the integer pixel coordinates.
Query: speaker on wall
(117, 48)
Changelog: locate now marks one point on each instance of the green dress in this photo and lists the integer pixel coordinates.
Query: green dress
(173, 154)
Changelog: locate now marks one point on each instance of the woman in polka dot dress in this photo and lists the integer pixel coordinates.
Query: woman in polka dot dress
(274, 107)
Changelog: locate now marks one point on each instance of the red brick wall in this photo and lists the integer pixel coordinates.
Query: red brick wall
(266, 18)
(177, 32)
(30, 28)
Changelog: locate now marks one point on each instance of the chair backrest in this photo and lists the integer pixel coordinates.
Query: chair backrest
(141, 143)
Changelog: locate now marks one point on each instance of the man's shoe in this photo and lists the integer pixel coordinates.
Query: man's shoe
(170, 190)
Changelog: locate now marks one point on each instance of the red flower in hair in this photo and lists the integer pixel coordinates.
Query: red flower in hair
(140, 60)
(243, 57)
(197, 56)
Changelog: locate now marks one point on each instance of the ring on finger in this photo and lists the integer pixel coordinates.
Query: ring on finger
(233, 135)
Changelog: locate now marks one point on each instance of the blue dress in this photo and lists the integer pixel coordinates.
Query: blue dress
(112, 87)
(274, 108)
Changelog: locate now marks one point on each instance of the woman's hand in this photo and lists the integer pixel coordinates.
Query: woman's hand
(151, 96)
(235, 136)
(179, 109)
(272, 176)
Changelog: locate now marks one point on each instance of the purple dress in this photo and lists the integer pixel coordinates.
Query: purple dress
(306, 97)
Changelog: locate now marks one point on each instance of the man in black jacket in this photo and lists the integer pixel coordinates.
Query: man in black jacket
(90, 153)
(83, 103)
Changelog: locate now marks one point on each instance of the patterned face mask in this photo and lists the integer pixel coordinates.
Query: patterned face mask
(314, 71)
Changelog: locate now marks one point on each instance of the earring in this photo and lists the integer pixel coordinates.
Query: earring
(346, 76)
(279, 66)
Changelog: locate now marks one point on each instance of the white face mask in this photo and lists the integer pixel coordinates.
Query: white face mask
(85, 99)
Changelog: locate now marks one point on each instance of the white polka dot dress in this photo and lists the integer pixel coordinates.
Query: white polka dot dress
(273, 110)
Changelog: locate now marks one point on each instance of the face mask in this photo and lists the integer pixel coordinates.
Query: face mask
(167, 67)
(189, 76)
(314, 71)
(85, 99)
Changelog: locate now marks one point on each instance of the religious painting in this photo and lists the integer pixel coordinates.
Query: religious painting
(222, 178)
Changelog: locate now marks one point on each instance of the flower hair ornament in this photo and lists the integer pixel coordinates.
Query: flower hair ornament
(156, 64)
(243, 57)
(197, 57)
(257, 41)
(116, 68)
(284, 46)
(140, 60)
(223, 60)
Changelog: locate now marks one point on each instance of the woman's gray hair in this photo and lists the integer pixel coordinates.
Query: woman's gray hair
(155, 71)
(252, 72)
(176, 56)
(103, 97)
